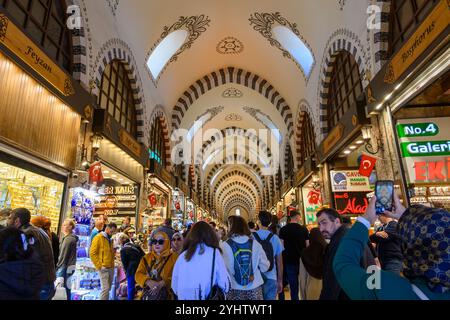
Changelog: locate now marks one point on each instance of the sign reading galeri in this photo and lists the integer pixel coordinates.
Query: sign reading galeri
(425, 145)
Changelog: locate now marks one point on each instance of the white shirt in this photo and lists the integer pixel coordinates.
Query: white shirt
(192, 280)
(259, 261)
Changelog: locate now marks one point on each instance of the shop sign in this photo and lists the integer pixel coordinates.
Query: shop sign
(117, 200)
(426, 33)
(16, 41)
(333, 138)
(351, 202)
(128, 141)
(350, 181)
(425, 161)
(312, 201)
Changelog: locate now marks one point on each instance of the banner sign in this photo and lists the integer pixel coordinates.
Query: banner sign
(426, 33)
(425, 146)
(312, 201)
(16, 41)
(351, 181)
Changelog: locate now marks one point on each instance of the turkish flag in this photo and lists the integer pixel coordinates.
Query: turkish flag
(367, 165)
(152, 199)
(95, 173)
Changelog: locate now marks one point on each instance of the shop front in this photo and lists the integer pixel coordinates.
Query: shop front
(160, 188)
(308, 190)
(410, 99)
(180, 205)
(341, 154)
(41, 111)
(190, 211)
(425, 150)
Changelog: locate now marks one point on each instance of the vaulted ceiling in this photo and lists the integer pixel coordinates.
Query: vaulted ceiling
(231, 74)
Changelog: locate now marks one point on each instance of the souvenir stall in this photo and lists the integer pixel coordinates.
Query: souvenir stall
(178, 209)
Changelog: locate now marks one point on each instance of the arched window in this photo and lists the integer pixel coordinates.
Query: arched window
(289, 169)
(345, 87)
(406, 16)
(157, 148)
(44, 21)
(308, 144)
(116, 96)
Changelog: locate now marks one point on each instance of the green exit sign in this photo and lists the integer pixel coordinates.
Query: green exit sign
(417, 130)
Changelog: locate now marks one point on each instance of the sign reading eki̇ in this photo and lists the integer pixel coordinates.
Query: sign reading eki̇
(425, 146)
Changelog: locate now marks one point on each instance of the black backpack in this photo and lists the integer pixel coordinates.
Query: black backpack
(268, 248)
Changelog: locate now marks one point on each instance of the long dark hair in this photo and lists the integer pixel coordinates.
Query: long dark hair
(201, 233)
(238, 227)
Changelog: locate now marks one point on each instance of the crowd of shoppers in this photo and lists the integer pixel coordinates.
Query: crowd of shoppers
(247, 262)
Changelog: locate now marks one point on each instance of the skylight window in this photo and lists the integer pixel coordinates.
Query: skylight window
(296, 47)
(165, 50)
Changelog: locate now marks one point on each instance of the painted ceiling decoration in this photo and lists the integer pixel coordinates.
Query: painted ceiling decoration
(232, 93)
(263, 118)
(230, 45)
(232, 132)
(233, 117)
(285, 36)
(113, 4)
(158, 58)
(226, 76)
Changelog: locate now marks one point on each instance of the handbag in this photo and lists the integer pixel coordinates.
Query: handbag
(148, 293)
(216, 293)
(60, 293)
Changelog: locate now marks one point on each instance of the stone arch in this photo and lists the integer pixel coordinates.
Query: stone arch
(81, 44)
(342, 39)
(381, 36)
(160, 115)
(118, 49)
(232, 75)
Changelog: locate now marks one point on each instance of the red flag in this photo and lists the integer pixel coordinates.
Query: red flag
(367, 165)
(152, 199)
(95, 173)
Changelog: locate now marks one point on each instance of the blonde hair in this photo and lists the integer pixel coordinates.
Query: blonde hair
(71, 222)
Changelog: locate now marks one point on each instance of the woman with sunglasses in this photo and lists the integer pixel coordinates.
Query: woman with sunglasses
(155, 269)
(177, 243)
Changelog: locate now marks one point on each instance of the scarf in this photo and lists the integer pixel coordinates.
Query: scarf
(313, 256)
(425, 234)
(155, 260)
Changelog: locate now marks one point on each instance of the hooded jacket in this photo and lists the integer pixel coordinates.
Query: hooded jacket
(43, 247)
(67, 252)
(21, 280)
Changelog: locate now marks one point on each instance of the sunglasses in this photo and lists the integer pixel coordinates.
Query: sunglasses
(160, 241)
(176, 239)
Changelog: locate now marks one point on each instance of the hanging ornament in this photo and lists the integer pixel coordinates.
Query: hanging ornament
(177, 205)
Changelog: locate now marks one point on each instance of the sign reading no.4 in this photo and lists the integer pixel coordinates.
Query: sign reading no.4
(417, 130)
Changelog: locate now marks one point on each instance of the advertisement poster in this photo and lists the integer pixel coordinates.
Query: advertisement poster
(353, 203)
(312, 201)
(425, 147)
(351, 181)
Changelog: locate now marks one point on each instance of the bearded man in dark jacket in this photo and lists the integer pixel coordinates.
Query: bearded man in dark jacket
(41, 244)
(333, 229)
(21, 272)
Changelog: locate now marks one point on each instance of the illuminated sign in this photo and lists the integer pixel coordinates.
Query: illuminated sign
(417, 130)
(117, 200)
(425, 161)
(351, 202)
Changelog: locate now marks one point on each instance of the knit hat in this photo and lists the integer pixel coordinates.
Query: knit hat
(426, 245)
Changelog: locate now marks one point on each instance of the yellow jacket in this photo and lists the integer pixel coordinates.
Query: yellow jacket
(102, 252)
(166, 274)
